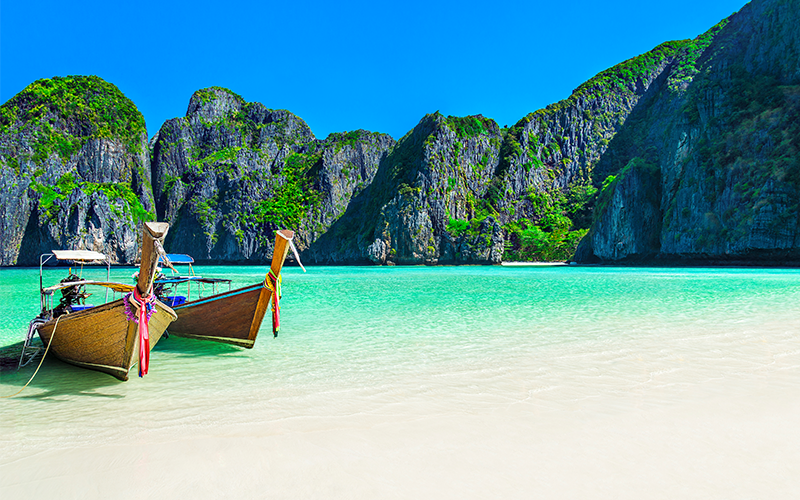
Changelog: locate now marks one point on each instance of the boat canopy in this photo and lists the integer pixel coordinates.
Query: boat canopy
(177, 258)
(81, 255)
(78, 256)
(193, 279)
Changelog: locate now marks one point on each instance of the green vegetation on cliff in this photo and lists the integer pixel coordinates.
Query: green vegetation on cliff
(604, 101)
(468, 126)
(62, 113)
(210, 94)
(622, 78)
(562, 220)
(54, 198)
(686, 64)
(295, 197)
(568, 138)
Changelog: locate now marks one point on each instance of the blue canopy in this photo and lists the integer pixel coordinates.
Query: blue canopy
(177, 258)
(184, 279)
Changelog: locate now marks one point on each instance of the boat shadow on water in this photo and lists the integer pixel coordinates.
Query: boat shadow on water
(56, 378)
(9, 357)
(53, 380)
(185, 347)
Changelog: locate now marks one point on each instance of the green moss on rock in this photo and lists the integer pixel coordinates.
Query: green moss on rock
(52, 197)
(62, 113)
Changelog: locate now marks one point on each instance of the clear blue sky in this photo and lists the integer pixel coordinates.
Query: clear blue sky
(343, 65)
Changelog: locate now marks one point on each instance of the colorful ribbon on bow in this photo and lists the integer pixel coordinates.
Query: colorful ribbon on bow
(274, 283)
(146, 309)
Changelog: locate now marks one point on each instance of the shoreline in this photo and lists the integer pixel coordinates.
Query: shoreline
(667, 263)
(534, 264)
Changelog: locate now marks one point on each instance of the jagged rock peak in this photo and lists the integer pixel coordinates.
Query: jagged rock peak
(214, 103)
(218, 104)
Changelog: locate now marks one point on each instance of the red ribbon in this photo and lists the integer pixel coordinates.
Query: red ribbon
(276, 314)
(144, 331)
(276, 308)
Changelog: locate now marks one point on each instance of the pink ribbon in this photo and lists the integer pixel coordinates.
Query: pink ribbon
(144, 331)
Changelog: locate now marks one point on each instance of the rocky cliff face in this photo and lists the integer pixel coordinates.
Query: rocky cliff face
(231, 172)
(75, 171)
(689, 151)
(461, 190)
(435, 173)
(628, 210)
(724, 134)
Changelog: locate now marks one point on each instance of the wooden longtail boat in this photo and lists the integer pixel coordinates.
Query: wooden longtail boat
(103, 337)
(232, 317)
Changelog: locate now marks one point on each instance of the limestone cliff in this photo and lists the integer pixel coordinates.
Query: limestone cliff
(74, 171)
(434, 173)
(686, 152)
(231, 172)
(723, 132)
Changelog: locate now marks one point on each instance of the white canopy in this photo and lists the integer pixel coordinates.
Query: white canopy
(84, 255)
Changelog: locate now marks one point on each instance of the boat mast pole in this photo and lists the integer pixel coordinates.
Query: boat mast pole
(41, 282)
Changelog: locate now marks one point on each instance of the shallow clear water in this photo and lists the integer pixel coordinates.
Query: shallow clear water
(397, 367)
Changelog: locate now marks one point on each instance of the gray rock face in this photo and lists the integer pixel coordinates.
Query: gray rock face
(230, 173)
(724, 138)
(14, 196)
(562, 144)
(72, 181)
(687, 152)
(348, 165)
(484, 248)
(435, 173)
(407, 230)
(629, 227)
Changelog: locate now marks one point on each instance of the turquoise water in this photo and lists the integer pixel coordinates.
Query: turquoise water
(367, 346)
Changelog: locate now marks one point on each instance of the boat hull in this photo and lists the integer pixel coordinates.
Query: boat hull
(102, 338)
(232, 317)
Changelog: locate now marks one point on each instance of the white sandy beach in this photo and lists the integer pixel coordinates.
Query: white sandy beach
(601, 384)
(725, 439)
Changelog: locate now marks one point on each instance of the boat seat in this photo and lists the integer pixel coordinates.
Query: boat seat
(174, 300)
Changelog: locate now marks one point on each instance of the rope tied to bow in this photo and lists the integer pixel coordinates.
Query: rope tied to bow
(274, 284)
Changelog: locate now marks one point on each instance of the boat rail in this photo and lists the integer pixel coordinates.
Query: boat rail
(171, 259)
